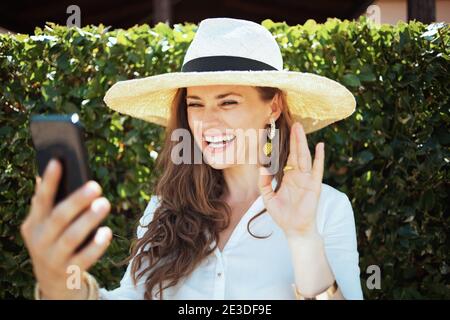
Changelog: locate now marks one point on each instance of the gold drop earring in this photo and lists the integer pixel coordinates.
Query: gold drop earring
(268, 145)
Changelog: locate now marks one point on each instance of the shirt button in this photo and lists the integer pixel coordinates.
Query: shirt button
(219, 274)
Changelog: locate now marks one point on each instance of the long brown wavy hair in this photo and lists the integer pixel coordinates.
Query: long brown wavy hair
(191, 214)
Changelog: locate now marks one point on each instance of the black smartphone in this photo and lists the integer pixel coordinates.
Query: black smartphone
(61, 136)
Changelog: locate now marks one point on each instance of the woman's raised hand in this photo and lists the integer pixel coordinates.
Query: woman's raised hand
(293, 207)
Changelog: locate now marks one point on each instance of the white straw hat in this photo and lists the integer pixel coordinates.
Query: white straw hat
(231, 51)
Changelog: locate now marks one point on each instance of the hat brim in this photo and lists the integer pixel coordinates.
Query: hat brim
(315, 101)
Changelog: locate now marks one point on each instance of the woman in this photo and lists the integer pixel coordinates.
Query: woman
(227, 226)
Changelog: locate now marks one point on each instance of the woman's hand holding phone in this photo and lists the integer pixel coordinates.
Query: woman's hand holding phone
(52, 233)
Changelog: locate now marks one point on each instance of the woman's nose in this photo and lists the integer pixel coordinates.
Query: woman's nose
(210, 115)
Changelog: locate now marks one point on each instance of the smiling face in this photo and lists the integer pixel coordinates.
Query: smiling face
(221, 116)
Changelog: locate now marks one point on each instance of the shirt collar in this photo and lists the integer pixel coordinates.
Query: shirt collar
(241, 227)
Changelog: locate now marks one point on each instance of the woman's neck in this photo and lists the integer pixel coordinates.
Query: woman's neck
(242, 183)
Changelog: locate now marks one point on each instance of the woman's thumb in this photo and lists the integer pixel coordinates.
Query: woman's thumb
(265, 184)
(38, 182)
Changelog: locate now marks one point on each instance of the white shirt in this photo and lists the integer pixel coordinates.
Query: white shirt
(252, 268)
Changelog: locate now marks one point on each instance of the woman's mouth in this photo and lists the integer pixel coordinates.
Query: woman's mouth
(218, 143)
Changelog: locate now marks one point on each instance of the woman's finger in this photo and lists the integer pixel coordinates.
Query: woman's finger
(303, 154)
(75, 234)
(319, 160)
(93, 251)
(68, 209)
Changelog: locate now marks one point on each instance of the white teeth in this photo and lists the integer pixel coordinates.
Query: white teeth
(216, 145)
(219, 141)
(216, 139)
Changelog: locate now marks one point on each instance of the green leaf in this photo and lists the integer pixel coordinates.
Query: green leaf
(351, 80)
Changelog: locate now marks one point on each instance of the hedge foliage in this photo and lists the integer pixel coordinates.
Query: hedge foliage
(390, 157)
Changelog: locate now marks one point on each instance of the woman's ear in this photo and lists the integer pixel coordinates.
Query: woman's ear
(276, 106)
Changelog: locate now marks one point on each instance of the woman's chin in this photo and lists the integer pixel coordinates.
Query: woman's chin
(218, 164)
(222, 158)
(219, 161)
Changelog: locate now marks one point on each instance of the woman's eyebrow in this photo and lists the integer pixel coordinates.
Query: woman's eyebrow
(220, 96)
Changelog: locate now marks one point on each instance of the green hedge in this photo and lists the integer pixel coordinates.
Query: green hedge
(390, 157)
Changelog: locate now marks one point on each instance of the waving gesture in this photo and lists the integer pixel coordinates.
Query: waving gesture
(293, 207)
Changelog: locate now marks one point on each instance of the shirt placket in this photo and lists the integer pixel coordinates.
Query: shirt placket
(219, 283)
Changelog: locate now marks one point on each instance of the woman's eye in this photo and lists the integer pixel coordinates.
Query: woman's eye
(224, 103)
(229, 102)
